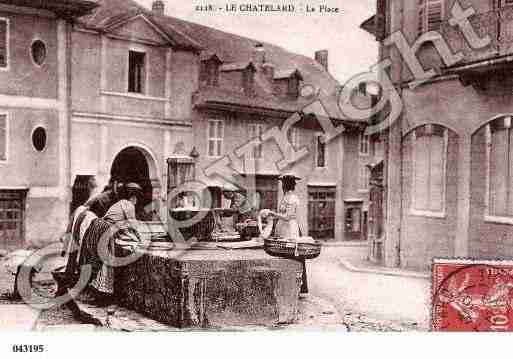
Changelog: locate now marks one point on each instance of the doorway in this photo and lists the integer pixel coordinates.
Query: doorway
(131, 165)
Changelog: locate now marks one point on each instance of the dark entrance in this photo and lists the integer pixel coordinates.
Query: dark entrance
(376, 214)
(130, 165)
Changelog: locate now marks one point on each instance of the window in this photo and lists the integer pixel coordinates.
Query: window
(364, 177)
(215, 138)
(256, 131)
(321, 211)
(499, 136)
(293, 86)
(248, 81)
(294, 137)
(3, 137)
(267, 189)
(502, 3)
(38, 51)
(39, 139)
(4, 43)
(430, 15)
(12, 204)
(364, 144)
(136, 71)
(353, 219)
(320, 151)
(379, 147)
(429, 170)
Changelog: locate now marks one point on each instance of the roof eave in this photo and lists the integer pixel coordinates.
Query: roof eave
(65, 9)
(369, 25)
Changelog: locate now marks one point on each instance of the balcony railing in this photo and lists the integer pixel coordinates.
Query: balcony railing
(497, 24)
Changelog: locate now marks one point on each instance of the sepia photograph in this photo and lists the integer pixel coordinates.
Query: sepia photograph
(338, 166)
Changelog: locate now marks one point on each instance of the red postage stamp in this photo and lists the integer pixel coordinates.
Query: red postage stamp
(472, 295)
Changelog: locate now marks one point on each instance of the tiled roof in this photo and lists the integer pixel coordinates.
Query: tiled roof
(220, 97)
(233, 50)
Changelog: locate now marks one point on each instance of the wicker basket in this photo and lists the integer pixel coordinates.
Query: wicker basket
(277, 247)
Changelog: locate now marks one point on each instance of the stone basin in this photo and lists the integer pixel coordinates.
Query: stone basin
(211, 288)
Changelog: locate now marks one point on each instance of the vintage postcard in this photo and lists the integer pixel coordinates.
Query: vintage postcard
(252, 166)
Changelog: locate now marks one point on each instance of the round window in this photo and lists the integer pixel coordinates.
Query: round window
(39, 52)
(39, 139)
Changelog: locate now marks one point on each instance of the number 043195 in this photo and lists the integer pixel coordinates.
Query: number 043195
(21, 348)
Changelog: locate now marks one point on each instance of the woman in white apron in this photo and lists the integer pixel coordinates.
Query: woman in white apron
(287, 225)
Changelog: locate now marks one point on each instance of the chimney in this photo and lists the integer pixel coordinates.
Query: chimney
(268, 70)
(321, 57)
(158, 7)
(259, 54)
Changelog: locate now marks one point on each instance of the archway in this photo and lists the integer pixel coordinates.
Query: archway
(135, 164)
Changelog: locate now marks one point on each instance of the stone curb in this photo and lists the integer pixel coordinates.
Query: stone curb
(382, 271)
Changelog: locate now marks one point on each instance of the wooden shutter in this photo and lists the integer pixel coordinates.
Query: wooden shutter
(434, 14)
(437, 172)
(3, 137)
(3, 43)
(498, 172)
(421, 179)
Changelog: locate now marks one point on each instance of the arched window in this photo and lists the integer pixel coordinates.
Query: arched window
(429, 154)
(499, 154)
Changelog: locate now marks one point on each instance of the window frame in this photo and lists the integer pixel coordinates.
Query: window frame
(144, 77)
(364, 141)
(7, 67)
(363, 180)
(424, 212)
(489, 217)
(256, 130)
(7, 138)
(424, 16)
(31, 52)
(294, 137)
(216, 138)
(317, 136)
(45, 128)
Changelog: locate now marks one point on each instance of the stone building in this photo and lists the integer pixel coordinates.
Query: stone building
(448, 159)
(35, 109)
(148, 93)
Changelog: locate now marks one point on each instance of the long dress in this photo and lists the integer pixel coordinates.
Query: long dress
(288, 228)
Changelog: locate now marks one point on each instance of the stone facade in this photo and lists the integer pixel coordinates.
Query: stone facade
(467, 104)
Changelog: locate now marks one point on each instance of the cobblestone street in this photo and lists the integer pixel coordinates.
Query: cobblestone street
(366, 301)
(339, 299)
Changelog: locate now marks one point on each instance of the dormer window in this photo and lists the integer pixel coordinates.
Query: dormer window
(241, 75)
(287, 83)
(248, 81)
(209, 70)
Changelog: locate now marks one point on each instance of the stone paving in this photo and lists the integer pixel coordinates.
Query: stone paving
(327, 308)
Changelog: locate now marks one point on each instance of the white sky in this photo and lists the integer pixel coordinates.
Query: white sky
(351, 49)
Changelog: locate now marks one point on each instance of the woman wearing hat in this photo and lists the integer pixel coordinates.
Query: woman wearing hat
(287, 226)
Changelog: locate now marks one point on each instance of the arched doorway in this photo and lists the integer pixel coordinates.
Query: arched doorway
(135, 164)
